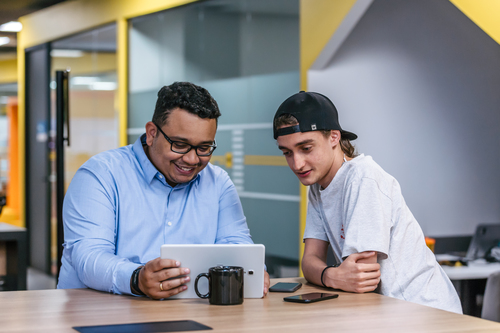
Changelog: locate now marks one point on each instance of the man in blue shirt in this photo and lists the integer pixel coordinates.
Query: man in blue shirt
(123, 204)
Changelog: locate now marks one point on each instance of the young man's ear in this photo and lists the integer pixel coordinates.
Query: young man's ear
(150, 132)
(335, 137)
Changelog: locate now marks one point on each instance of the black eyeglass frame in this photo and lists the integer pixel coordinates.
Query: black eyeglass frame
(214, 146)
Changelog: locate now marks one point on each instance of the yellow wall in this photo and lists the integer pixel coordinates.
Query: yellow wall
(485, 13)
(8, 71)
(318, 21)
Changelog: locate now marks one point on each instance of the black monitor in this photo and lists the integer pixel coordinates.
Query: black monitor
(485, 237)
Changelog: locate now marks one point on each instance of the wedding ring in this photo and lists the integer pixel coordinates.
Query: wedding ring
(161, 286)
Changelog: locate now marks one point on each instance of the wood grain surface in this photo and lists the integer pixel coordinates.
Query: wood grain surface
(60, 310)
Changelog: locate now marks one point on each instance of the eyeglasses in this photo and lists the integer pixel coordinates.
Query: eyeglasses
(180, 147)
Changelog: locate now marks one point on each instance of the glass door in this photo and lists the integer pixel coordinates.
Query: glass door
(90, 59)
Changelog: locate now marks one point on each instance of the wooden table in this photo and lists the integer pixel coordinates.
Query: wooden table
(60, 310)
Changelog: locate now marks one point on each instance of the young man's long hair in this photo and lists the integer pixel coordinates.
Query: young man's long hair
(288, 120)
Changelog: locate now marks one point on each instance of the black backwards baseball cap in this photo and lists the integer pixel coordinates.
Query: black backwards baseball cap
(314, 112)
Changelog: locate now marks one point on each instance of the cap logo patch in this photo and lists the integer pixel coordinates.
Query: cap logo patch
(313, 127)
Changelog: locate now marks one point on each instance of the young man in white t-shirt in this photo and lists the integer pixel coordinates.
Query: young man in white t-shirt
(357, 208)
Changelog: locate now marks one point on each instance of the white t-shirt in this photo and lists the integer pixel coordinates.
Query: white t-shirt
(363, 210)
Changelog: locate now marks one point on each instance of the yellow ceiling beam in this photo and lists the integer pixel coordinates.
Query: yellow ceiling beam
(484, 13)
(71, 17)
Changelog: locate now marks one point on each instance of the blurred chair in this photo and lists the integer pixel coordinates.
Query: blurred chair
(491, 301)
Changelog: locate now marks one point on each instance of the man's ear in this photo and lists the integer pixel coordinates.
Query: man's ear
(150, 133)
(335, 137)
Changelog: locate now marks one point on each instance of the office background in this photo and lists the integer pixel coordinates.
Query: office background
(417, 80)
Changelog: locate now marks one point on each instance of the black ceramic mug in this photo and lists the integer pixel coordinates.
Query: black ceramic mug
(225, 285)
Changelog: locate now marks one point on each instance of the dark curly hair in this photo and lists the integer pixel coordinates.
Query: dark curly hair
(186, 96)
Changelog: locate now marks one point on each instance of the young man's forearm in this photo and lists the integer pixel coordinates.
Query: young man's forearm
(312, 267)
(359, 273)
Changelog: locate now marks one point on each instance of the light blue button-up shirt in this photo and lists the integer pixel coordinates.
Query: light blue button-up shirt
(119, 210)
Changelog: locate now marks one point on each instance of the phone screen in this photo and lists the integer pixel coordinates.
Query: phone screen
(311, 297)
(286, 287)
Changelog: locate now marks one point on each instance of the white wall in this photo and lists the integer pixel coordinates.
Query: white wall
(419, 83)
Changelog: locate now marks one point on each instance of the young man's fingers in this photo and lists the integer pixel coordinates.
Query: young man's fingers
(366, 289)
(367, 285)
(371, 269)
(370, 282)
(362, 255)
(370, 276)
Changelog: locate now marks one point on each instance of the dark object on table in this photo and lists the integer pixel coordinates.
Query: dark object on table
(159, 326)
(486, 237)
(3, 202)
(310, 297)
(225, 285)
(286, 287)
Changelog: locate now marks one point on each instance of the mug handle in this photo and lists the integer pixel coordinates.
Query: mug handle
(207, 295)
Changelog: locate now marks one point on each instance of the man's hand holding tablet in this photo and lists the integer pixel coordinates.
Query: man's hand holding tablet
(163, 278)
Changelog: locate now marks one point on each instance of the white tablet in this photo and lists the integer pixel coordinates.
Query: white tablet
(200, 257)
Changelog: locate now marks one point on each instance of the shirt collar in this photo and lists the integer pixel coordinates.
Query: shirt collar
(150, 171)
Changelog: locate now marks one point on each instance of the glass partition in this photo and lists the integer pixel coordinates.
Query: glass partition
(246, 53)
(90, 58)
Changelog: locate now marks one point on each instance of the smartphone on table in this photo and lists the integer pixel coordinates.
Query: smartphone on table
(310, 297)
(286, 287)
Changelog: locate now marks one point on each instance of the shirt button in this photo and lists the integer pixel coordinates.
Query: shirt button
(169, 224)
(161, 177)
